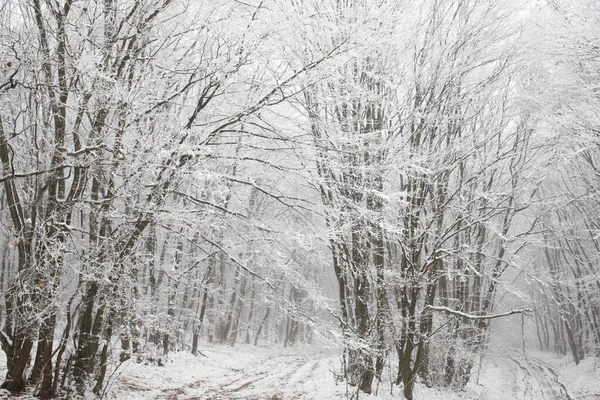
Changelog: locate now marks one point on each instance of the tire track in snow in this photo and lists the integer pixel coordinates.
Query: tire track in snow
(522, 380)
(271, 379)
(267, 377)
(539, 376)
(544, 369)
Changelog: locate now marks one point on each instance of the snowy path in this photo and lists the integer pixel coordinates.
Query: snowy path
(253, 373)
(541, 381)
(228, 374)
(262, 377)
(511, 374)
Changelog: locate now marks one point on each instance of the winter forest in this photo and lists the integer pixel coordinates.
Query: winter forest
(300, 199)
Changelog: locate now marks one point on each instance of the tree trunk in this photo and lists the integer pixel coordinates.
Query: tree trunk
(15, 376)
(104, 355)
(46, 342)
(262, 323)
(89, 331)
(250, 311)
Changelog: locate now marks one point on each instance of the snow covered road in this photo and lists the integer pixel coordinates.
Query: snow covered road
(230, 374)
(537, 380)
(275, 373)
(511, 374)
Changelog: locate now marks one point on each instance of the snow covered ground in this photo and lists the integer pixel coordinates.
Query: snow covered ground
(509, 373)
(273, 373)
(249, 373)
(581, 381)
(244, 372)
(309, 373)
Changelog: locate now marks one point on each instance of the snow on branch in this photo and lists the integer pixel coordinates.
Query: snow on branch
(36, 173)
(470, 316)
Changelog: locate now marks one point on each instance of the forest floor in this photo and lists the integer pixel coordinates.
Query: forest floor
(309, 373)
(273, 373)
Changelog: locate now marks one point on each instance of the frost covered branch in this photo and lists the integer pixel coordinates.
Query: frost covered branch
(471, 316)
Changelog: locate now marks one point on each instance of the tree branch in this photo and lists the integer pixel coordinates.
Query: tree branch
(478, 317)
(34, 173)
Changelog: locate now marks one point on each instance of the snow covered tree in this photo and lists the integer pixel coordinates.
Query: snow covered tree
(565, 285)
(419, 162)
(107, 126)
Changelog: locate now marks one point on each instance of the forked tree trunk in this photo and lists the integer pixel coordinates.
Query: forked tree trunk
(262, 324)
(17, 302)
(87, 343)
(98, 388)
(15, 375)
